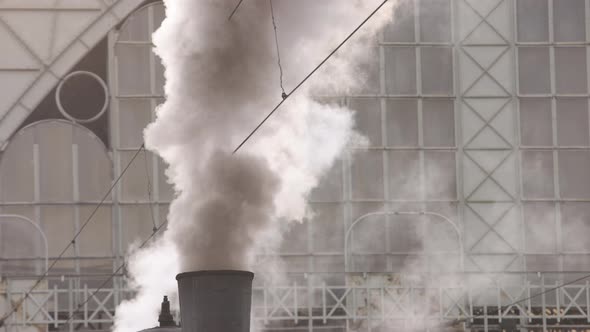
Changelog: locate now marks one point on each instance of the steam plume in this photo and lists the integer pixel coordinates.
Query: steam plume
(221, 79)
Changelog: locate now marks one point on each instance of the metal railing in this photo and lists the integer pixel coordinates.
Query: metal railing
(357, 302)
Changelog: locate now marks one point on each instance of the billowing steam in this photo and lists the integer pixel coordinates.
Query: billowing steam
(221, 80)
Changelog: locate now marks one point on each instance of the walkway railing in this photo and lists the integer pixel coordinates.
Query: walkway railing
(361, 302)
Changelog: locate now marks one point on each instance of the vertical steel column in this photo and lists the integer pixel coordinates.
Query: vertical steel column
(419, 105)
(518, 153)
(587, 42)
(155, 199)
(519, 196)
(385, 152)
(458, 117)
(37, 186)
(517, 137)
(347, 187)
(2, 198)
(543, 303)
(55, 307)
(76, 196)
(116, 159)
(310, 301)
(71, 288)
(555, 143)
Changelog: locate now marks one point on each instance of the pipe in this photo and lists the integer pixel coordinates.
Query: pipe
(215, 301)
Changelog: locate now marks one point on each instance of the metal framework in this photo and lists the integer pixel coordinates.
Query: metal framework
(37, 56)
(365, 217)
(482, 101)
(8, 217)
(479, 302)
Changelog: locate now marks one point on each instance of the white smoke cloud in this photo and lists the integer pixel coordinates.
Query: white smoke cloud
(221, 80)
(159, 262)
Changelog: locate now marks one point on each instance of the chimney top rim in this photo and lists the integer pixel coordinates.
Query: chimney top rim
(214, 273)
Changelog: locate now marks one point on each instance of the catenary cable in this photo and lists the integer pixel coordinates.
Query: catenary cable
(155, 230)
(274, 25)
(549, 290)
(73, 241)
(235, 10)
(460, 320)
(93, 295)
(310, 74)
(452, 322)
(149, 190)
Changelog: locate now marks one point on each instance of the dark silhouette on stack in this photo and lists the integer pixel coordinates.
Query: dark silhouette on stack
(165, 318)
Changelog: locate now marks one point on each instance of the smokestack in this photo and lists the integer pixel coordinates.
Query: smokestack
(215, 301)
(221, 77)
(165, 318)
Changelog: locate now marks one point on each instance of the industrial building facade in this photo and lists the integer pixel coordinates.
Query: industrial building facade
(477, 113)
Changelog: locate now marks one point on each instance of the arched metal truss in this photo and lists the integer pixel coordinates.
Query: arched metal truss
(365, 217)
(37, 228)
(36, 57)
(483, 49)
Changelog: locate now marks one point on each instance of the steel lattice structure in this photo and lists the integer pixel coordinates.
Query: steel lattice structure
(395, 304)
(488, 95)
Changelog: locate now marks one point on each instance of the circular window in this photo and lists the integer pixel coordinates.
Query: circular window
(83, 94)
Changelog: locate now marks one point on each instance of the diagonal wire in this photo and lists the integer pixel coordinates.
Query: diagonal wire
(309, 75)
(155, 230)
(549, 290)
(101, 287)
(73, 241)
(272, 14)
(149, 190)
(235, 10)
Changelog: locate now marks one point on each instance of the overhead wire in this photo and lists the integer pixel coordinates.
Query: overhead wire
(549, 290)
(73, 240)
(274, 24)
(452, 322)
(310, 75)
(155, 229)
(532, 296)
(149, 190)
(102, 286)
(456, 321)
(235, 10)
(285, 96)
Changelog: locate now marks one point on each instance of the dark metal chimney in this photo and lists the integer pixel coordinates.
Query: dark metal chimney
(165, 318)
(215, 301)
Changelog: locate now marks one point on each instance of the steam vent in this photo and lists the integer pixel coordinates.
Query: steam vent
(166, 320)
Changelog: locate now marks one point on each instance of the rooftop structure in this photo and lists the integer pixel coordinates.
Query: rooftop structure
(477, 113)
